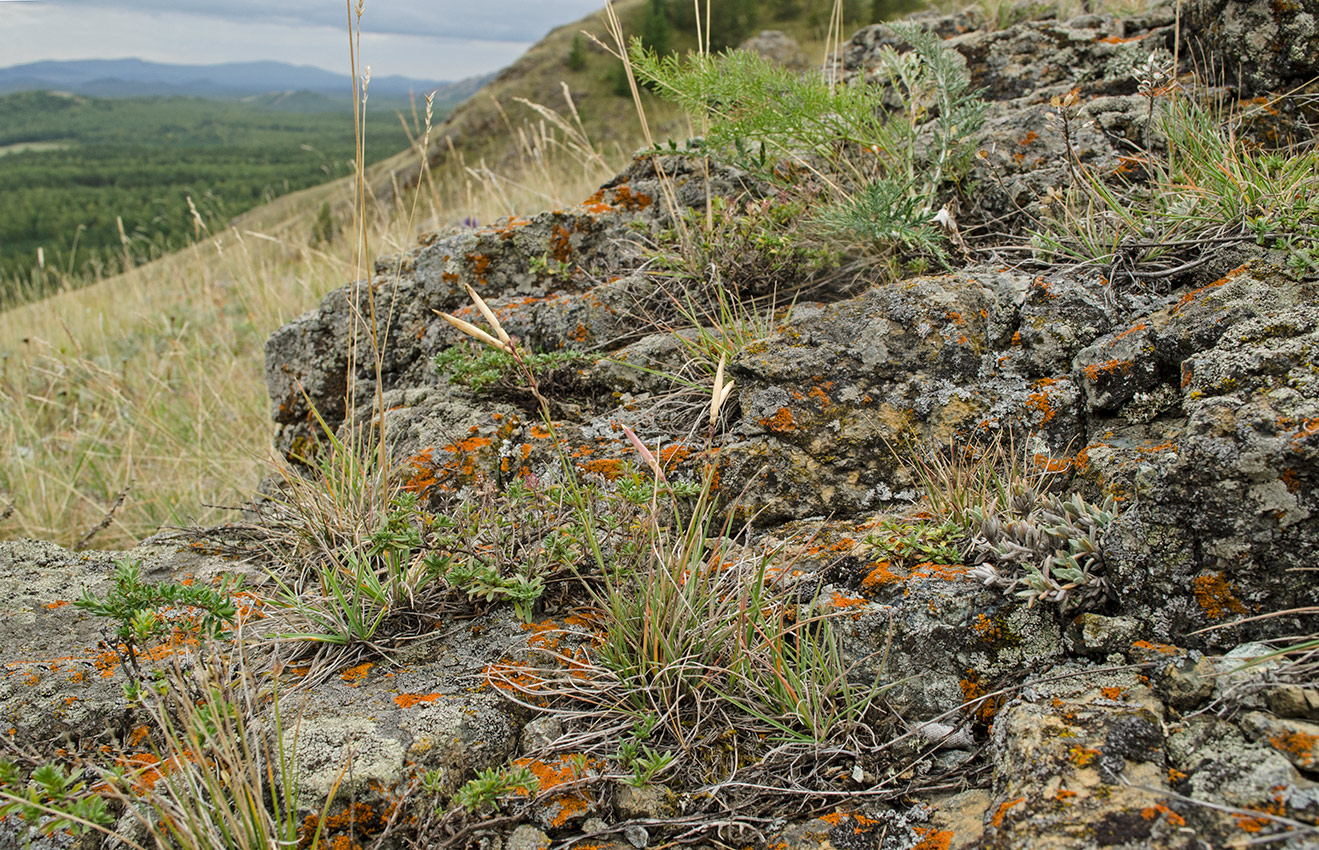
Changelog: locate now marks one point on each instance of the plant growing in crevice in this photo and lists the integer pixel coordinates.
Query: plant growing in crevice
(492, 785)
(487, 369)
(138, 610)
(883, 168)
(54, 799)
(1011, 524)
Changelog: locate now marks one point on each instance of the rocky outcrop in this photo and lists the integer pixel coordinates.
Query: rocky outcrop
(1191, 404)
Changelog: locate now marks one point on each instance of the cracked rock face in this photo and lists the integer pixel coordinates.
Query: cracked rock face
(1266, 46)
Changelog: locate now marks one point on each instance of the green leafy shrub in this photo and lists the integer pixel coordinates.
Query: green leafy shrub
(492, 785)
(138, 608)
(53, 799)
(884, 165)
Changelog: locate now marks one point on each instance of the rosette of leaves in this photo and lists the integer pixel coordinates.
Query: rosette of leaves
(1043, 547)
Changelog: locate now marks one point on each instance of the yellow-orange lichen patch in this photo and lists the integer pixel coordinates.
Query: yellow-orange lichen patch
(975, 695)
(1215, 596)
(780, 422)
(1002, 811)
(1154, 811)
(608, 468)
(564, 772)
(933, 839)
(544, 635)
(1107, 369)
(354, 675)
(1300, 746)
(860, 823)
(1082, 756)
(409, 700)
(421, 479)
(1160, 648)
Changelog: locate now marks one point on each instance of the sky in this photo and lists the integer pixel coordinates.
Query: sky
(424, 39)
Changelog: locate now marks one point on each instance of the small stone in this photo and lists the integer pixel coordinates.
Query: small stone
(1295, 739)
(527, 837)
(1100, 636)
(652, 802)
(1187, 684)
(637, 836)
(1294, 701)
(540, 733)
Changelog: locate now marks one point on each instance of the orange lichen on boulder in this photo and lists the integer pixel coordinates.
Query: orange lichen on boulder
(409, 700)
(780, 422)
(1154, 811)
(564, 772)
(1108, 369)
(975, 695)
(354, 675)
(1002, 811)
(1215, 596)
(933, 839)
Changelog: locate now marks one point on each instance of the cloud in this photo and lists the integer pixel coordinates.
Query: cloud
(495, 20)
(424, 39)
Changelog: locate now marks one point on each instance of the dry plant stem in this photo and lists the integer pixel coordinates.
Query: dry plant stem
(100, 526)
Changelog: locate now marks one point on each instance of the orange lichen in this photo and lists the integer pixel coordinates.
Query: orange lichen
(608, 468)
(565, 771)
(974, 694)
(480, 265)
(780, 422)
(1039, 401)
(58, 603)
(1161, 648)
(560, 244)
(879, 574)
(339, 830)
(860, 823)
(1082, 756)
(933, 839)
(409, 700)
(1139, 326)
(1300, 745)
(1107, 369)
(354, 675)
(1152, 812)
(1215, 597)
(629, 200)
(1111, 693)
(1002, 811)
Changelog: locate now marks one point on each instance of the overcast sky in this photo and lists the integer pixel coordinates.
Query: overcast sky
(426, 39)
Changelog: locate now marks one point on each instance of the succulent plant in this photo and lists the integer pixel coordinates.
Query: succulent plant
(1048, 549)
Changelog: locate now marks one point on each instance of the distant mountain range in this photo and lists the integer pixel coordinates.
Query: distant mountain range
(136, 78)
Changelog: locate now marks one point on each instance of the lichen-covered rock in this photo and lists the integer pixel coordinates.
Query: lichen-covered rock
(1264, 46)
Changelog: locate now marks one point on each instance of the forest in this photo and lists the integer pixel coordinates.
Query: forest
(92, 184)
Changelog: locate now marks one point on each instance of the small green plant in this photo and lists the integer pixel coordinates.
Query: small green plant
(1204, 183)
(492, 785)
(489, 368)
(911, 542)
(577, 53)
(54, 799)
(138, 609)
(644, 762)
(884, 168)
(1052, 554)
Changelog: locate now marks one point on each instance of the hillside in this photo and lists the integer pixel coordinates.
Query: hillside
(137, 78)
